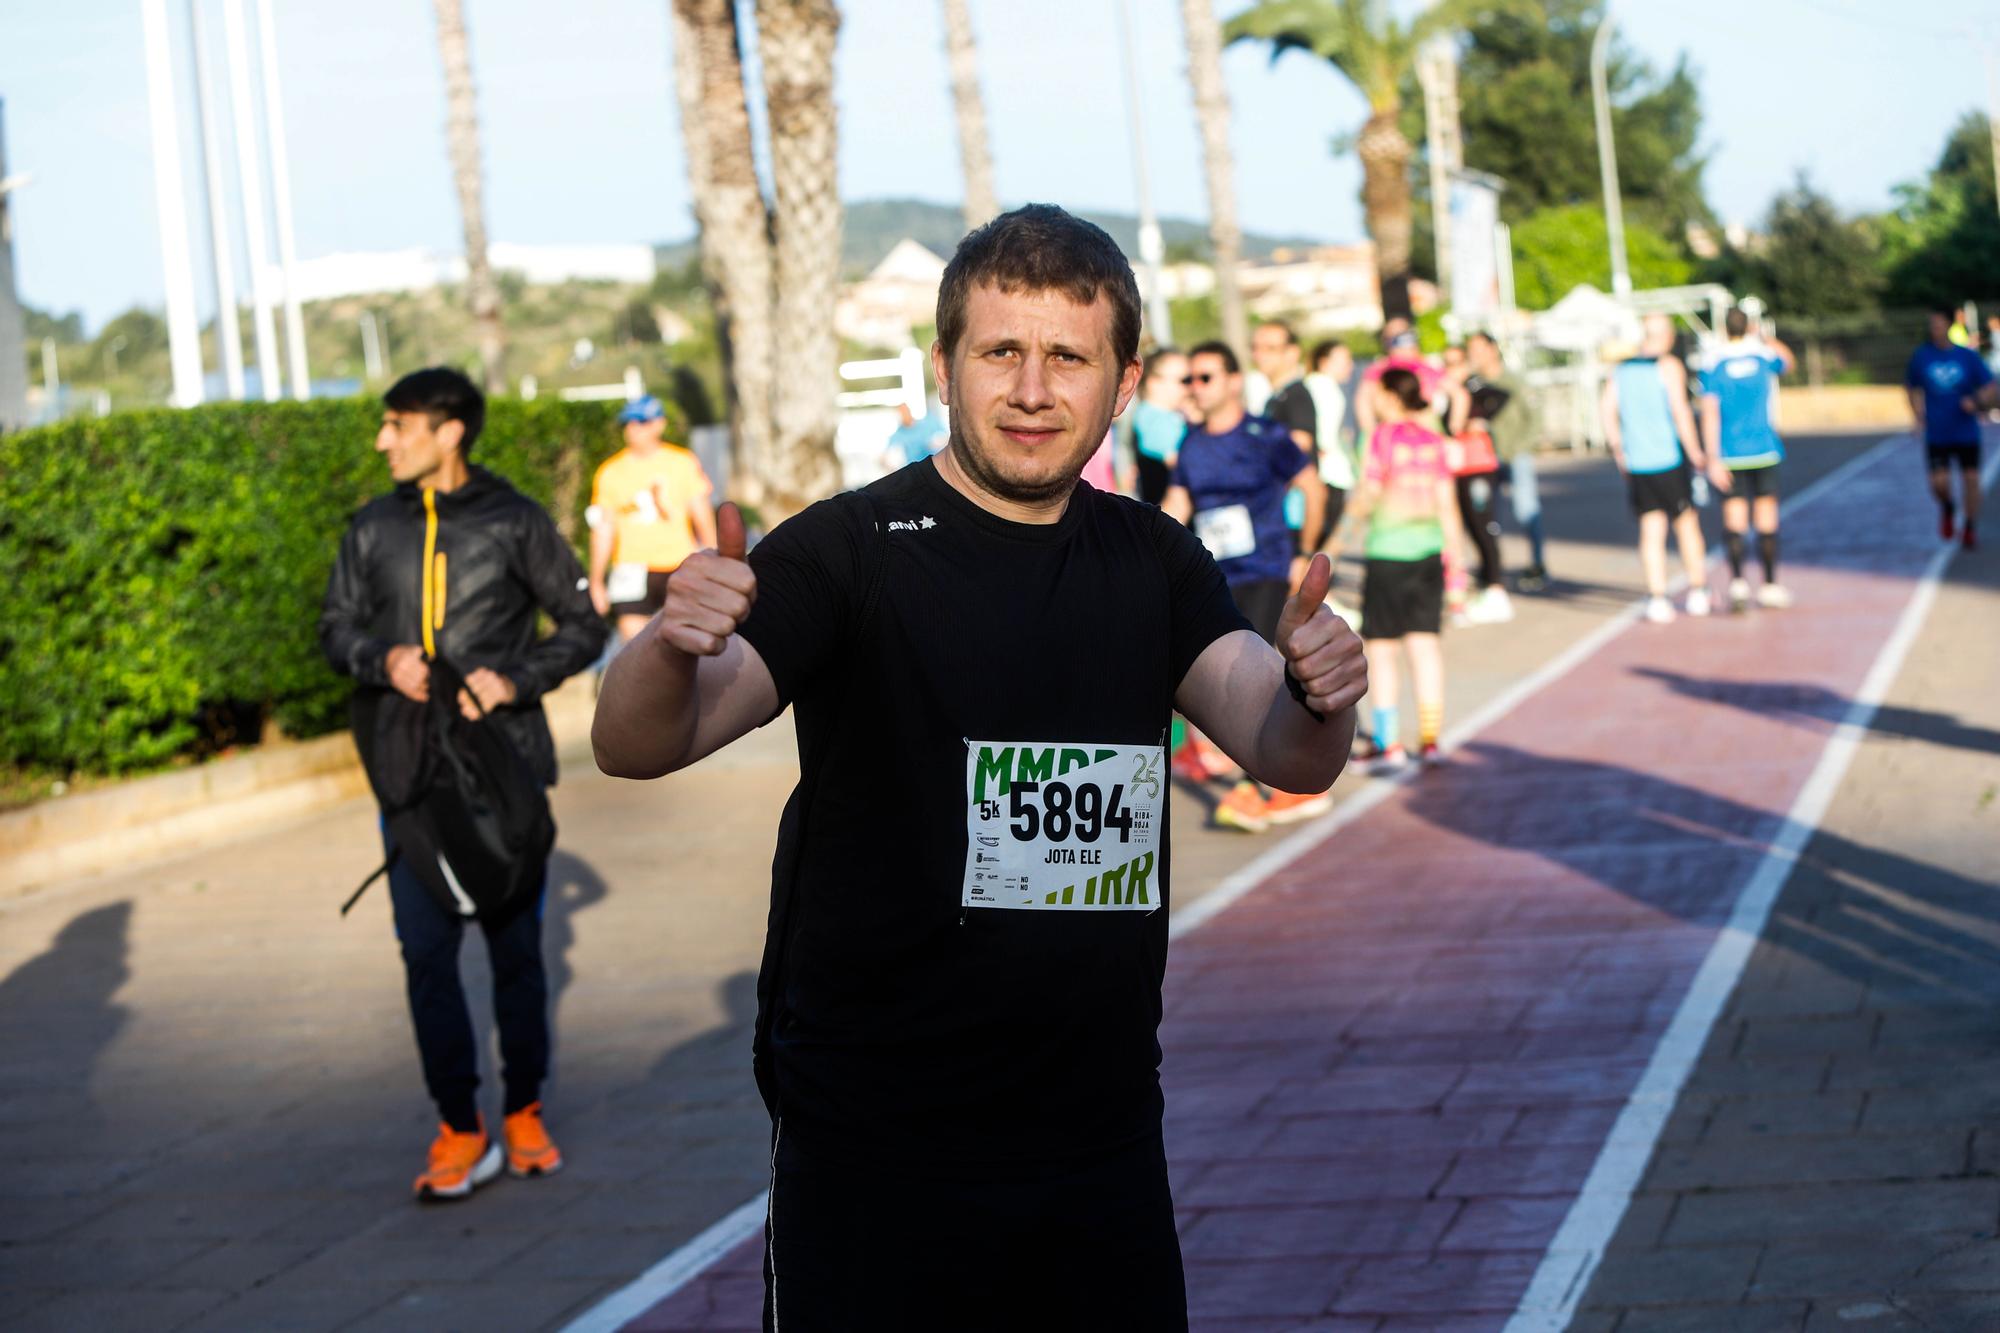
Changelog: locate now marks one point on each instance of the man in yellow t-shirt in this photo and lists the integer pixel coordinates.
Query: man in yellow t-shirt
(649, 510)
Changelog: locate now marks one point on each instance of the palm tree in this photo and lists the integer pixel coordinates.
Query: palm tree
(462, 129)
(973, 150)
(1211, 112)
(796, 40)
(1376, 52)
(735, 225)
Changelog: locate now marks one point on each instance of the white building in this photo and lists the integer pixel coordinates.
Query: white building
(357, 273)
(898, 296)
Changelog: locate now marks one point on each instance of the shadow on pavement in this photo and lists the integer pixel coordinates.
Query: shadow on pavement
(1818, 707)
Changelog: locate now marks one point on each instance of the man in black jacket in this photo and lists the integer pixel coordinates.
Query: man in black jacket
(494, 560)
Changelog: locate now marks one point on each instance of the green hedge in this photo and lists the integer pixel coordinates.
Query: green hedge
(161, 571)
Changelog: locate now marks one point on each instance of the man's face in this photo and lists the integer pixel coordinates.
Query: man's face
(1276, 355)
(1214, 391)
(1032, 385)
(1165, 389)
(415, 448)
(1455, 362)
(646, 434)
(1339, 364)
(1659, 336)
(1485, 356)
(1940, 329)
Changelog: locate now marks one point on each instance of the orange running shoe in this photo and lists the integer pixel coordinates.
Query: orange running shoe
(459, 1163)
(1284, 807)
(1243, 809)
(530, 1150)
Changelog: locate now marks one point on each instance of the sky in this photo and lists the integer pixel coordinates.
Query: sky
(582, 141)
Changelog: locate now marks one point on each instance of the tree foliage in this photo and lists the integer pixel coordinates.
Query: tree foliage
(1812, 261)
(1941, 243)
(1559, 248)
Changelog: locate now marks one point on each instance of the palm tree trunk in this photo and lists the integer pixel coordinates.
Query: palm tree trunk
(974, 152)
(796, 40)
(735, 225)
(462, 129)
(1386, 206)
(1211, 112)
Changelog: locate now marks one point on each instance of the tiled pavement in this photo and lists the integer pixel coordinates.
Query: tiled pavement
(1390, 1067)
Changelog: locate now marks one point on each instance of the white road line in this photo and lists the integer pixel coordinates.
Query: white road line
(675, 1271)
(1573, 1255)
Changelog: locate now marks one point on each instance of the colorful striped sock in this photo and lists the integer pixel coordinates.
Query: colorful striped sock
(1387, 730)
(1430, 721)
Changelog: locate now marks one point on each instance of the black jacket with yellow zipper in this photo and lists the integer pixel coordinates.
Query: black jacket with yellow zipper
(496, 559)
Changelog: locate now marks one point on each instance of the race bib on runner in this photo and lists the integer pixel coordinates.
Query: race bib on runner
(1226, 532)
(1063, 826)
(626, 584)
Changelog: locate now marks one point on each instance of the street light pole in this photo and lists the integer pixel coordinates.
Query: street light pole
(1152, 248)
(1607, 157)
(228, 334)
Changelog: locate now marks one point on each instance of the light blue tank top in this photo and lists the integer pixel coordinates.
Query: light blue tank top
(1645, 418)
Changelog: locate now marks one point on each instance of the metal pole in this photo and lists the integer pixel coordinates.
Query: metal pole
(1607, 158)
(13, 360)
(281, 199)
(183, 333)
(1437, 73)
(251, 177)
(1152, 247)
(228, 333)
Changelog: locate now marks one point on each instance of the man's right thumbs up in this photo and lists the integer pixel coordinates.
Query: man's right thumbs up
(711, 593)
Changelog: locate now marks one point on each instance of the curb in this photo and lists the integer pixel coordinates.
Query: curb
(154, 817)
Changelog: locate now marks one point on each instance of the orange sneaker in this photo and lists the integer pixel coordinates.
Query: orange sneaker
(1284, 807)
(1243, 809)
(530, 1150)
(459, 1164)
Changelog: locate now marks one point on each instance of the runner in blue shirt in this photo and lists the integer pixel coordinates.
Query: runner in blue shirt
(1229, 484)
(1737, 407)
(1948, 384)
(1652, 436)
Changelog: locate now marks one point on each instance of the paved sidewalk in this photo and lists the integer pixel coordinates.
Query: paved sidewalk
(1390, 1068)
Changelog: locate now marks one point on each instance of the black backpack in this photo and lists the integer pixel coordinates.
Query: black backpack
(463, 808)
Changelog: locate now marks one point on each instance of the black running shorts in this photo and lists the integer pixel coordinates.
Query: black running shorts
(656, 597)
(1401, 597)
(1669, 492)
(1754, 483)
(1942, 456)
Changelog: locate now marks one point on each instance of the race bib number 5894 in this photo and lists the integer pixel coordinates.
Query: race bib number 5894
(1063, 826)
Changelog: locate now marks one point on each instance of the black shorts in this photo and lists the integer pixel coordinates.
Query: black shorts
(1670, 492)
(1085, 1246)
(1754, 483)
(1401, 597)
(656, 597)
(1942, 456)
(1336, 506)
(1262, 601)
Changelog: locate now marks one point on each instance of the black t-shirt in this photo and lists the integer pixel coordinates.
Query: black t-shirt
(1293, 405)
(907, 1025)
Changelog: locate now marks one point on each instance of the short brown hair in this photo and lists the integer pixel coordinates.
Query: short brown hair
(1040, 248)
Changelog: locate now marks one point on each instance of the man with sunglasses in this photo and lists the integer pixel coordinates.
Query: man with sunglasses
(1230, 484)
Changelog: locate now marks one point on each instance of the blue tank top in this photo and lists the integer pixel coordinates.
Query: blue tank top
(1646, 418)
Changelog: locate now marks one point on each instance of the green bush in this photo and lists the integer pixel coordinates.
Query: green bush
(161, 569)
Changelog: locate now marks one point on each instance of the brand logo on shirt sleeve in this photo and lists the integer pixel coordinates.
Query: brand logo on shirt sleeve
(923, 524)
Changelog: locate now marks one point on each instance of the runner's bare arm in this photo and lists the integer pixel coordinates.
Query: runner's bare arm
(689, 684)
(602, 538)
(1711, 430)
(1676, 376)
(701, 516)
(1236, 694)
(1607, 416)
(1785, 357)
(1313, 491)
(1917, 408)
(1177, 504)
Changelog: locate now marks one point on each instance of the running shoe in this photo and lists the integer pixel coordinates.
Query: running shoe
(1284, 807)
(1244, 809)
(1187, 765)
(530, 1150)
(1390, 762)
(1493, 606)
(1970, 542)
(1659, 610)
(1739, 595)
(1697, 602)
(1947, 528)
(1533, 579)
(1774, 595)
(459, 1164)
(1430, 756)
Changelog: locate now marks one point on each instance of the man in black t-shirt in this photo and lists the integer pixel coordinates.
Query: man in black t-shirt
(960, 996)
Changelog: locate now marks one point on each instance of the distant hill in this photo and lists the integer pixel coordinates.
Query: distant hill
(875, 225)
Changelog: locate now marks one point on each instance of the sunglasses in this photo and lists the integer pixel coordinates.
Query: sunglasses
(1197, 379)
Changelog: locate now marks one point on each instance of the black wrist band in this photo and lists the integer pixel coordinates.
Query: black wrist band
(1298, 691)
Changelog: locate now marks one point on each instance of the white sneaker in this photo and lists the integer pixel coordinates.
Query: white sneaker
(1659, 610)
(1774, 595)
(1697, 602)
(1739, 594)
(1493, 607)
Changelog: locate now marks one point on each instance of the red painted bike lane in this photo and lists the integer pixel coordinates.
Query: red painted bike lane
(1390, 1066)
